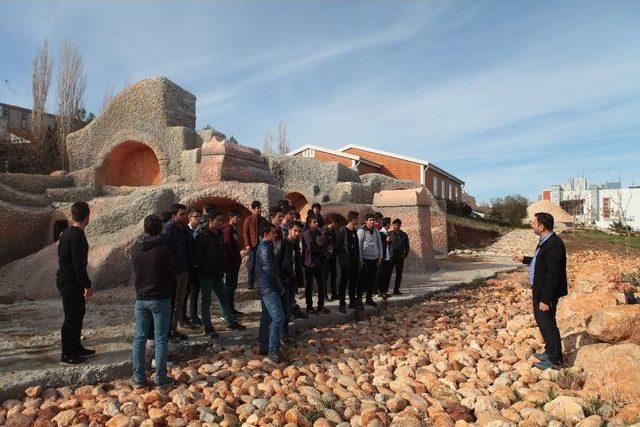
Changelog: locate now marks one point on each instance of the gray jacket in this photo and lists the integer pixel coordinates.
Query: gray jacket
(370, 244)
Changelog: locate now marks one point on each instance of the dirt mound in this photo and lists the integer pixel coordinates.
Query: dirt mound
(559, 214)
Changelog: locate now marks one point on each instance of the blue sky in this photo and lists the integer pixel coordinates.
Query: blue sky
(510, 96)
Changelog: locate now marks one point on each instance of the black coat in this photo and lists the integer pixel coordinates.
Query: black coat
(284, 252)
(550, 274)
(211, 260)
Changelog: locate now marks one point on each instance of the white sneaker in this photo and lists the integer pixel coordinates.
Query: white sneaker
(153, 364)
(151, 343)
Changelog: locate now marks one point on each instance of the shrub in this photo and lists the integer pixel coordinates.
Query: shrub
(510, 210)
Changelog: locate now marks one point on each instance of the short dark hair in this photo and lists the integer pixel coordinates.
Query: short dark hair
(210, 207)
(266, 228)
(194, 210)
(311, 217)
(352, 215)
(79, 211)
(176, 207)
(397, 221)
(209, 216)
(330, 219)
(385, 221)
(296, 224)
(377, 216)
(316, 205)
(546, 219)
(152, 225)
(255, 204)
(369, 215)
(165, 216)
(235, 212)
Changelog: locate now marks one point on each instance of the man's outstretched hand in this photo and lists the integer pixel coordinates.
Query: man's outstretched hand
(544, 307)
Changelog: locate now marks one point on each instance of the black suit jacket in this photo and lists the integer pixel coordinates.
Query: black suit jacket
(550, 274)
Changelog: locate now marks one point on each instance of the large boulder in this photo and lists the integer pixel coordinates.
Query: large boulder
(611, 370)
(575, 309)
(616, 324)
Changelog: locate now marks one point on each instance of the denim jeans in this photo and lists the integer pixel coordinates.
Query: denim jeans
(207, 285)
(158, 313)
(271, 321)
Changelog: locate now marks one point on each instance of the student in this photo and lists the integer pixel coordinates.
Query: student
(316, 209)
(231, 241)
(212, 264)
(251, 237)
(289, 264)
(287, 219)
(347, 248)
(193, 286)
(313, 252)
(384, 272)
(275, 218)
(271, 291)
(399, 249)
(73, 284)
(155, 277)
(179, 240)
(370, 257)
(329, 268)
(377, 218)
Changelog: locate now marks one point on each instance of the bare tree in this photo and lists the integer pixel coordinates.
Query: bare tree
(108, 96)
(619, 208)
(578, 204)
(41, 81)
(267, 147)
(71, 86)
(283, 143)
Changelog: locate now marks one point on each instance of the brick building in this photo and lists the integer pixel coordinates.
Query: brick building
(17, 120)
(365, 160)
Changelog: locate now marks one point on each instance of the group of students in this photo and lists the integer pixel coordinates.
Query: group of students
(186, 255)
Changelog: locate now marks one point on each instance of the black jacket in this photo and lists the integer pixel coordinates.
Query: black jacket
(550, 274)
(345, 258)
(399, 246)
(73, 252)
(210, 259)
(154, 268)
(284, 251)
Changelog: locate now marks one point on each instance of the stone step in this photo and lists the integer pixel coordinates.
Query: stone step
(72, 194)
(20, 198)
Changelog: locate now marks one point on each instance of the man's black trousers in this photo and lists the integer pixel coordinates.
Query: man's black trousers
(546, 321)
(310, 274)
(368, 278)
(74, 308)
(349, 280)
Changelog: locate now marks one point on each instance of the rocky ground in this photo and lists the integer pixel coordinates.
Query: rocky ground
(459, 358)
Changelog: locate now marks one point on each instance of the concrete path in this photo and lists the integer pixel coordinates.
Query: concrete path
(29, 331)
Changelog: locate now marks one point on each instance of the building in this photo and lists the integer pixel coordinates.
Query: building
(17, 121)
(365, 160)
(598, 205)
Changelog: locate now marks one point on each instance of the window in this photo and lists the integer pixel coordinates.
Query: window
(456, 193)
(451, 192)
(5, 112)
(606, 207)
(444, 189)
(309, 153)
(435, 186)
(23, 116)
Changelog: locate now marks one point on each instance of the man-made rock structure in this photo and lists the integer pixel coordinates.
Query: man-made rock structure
(143, 154)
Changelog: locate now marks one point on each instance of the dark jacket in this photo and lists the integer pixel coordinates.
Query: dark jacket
(550, 274)
(399, 246)
(211, 261)
(73, 253)
(266, 270)
(286, 252)
(154, 268)
(331, 236)
(345, 257)
(385, 244)
(313, 252)
(180, 241)
(231, 244)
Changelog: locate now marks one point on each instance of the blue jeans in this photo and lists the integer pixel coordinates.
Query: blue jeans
(147, 313)
(271, 321)
(217, 286)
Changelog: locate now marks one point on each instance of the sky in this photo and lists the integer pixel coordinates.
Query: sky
(511, 97)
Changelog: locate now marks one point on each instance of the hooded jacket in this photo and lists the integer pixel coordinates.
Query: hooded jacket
(154, 268)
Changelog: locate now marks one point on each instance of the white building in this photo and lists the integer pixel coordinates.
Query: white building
(599, 205)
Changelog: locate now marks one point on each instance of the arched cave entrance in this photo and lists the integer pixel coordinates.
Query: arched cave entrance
(132, 164)
(300, 203)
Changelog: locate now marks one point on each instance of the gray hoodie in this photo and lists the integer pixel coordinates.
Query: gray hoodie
(370, 244)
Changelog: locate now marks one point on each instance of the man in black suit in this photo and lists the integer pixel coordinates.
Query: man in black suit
(548, 279)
